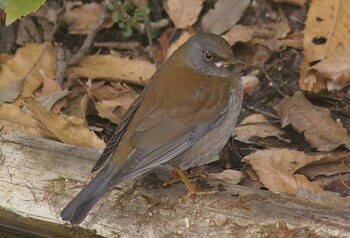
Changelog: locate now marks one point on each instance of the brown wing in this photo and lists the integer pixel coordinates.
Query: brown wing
(114, 141)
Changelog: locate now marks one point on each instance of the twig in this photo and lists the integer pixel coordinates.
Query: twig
(263, 112)
(271, 82)
(72, 59)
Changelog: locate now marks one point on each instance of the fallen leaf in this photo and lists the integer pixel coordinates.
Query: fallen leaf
(82, 19)
(50, 100)
(12, 118)
(10, 92)
(329, 164)
(320, 130)
(28, 63)
(225, 14)
(57, 127)
(183, 13)
(326, 35)
(263, 129)
(113, 68)
(105, 109)
(275, 168)
(333, 71)
(229, 176)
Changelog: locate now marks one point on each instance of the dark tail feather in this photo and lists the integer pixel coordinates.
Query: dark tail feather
(80, 206)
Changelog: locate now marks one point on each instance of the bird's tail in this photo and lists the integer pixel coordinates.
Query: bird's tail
(80, 206)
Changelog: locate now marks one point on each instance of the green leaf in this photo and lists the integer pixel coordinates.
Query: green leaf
(128, 32)
(121, 24)
(146, 10)
(115, 17)
(17, 8)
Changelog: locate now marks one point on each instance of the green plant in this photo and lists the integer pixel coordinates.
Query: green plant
(128, 16)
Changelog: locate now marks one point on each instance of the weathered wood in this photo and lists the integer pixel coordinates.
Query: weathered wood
(38, 177)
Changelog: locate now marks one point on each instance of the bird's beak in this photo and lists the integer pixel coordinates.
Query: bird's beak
(232, 61)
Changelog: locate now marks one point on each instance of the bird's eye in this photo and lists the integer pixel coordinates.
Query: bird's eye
(208, 56)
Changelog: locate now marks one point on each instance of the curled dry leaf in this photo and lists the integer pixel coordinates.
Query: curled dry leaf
(275, 168)
(225, 14)
(320, 130)
(12, 118)
(183, 13)
(334, 72)
(326, 164)
(113, 68)
(57, 127)
(82, 19)
(105, 109)
(326, 35)
(263, 129)
(28, 64)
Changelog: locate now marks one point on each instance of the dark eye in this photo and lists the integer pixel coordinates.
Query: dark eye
(208, 56)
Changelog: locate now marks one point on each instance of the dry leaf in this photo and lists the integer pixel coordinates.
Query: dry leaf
(225, 14)
(12, 118)
(11, 91)
(320, 130)
(268, 35)
(326, 35)
(329, 164)
(57, 127)
(333, 71)
(105, 109)
(82, 19)
(183, 13)
(275, 168)
(113, 68)
(28, 63)
(229, 176)
(51, 100)
(262, 130)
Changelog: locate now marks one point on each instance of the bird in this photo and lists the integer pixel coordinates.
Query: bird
(182, 118)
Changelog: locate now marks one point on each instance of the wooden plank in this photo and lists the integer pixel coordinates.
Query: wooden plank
(38, 177)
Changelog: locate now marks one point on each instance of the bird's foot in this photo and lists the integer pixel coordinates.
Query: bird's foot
(175, 177)
(197, 191)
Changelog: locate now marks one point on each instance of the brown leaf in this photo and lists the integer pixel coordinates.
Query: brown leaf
(12, 118)
(183, 13)
(326, 35)
(82, 19)
(105, 109)
(262, 130)
(229, 176)
(333, 72)
(329, 164)
(320, 130)
(275, 169)
(57, 127)
(28, 63)
(113, 68)
(10, 92)
(226, 13)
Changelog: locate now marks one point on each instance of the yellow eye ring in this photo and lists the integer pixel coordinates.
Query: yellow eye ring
(208, 56)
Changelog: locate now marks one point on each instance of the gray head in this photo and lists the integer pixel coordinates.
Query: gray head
(211, 55)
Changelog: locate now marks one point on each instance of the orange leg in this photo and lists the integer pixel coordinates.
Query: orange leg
(191, 189)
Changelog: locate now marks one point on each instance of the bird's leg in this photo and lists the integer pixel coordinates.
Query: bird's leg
(191, 189)
(175, 177)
